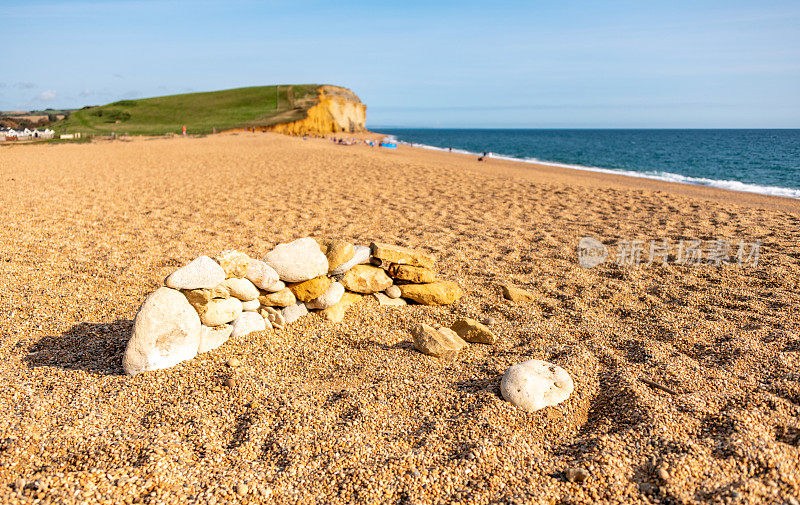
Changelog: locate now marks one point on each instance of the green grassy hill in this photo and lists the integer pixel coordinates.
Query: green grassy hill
(200, 112)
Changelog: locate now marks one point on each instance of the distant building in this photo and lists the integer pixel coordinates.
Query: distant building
(26, 134)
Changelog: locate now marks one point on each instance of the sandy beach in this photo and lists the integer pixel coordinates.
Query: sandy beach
(687, 377)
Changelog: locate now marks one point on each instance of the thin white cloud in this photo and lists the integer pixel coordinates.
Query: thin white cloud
(86, 92)
(48, 95)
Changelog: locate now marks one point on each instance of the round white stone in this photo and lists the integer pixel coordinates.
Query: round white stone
(201, 273)
(246, 323)
(294, 312)
(211, 338)
(251, 306)
(298, 261)
(261, 274)
(393, 291)
(220, 311)
(166, 331)
(536, 384)
(242, 289)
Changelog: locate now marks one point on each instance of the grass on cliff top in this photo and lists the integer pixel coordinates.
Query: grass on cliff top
(200, 112)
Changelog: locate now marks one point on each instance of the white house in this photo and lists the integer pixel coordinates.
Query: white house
(26, 134)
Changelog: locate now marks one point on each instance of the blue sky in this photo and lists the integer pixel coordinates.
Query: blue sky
(550, 64)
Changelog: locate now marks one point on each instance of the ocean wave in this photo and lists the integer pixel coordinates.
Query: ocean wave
(660, 176)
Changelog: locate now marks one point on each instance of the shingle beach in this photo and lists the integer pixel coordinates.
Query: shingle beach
(686, 377)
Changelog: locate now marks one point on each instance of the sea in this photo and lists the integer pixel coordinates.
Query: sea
(756, 161)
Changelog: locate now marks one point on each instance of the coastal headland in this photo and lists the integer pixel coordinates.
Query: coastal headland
(685, 372)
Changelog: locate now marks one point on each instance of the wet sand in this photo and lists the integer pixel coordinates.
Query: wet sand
(350, 412)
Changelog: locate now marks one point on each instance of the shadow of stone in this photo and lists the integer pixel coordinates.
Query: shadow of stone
(92, 347)
(489, 385)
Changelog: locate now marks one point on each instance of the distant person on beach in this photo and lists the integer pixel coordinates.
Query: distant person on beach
(450, 149)
(480, 158)
(184, 130)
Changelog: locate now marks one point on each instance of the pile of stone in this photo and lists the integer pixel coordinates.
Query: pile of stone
(210, 300)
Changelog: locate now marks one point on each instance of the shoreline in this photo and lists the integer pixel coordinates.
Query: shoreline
(605, 176)
(725, 184)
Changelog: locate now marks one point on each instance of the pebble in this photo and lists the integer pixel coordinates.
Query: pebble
(386, 301)
(535, 384)
(390, 253)
(439, 343)
(516, 294)
(275, 287)
(202, 272)
(577, 475)
(273, 316)
(337, 251)
(234, 263)
(282, 298)
(313, 288)
(200, 297)
(246, 323)
(261, 275)
(410, 273)
(361, 255)
(366, 279)
(488, 321)
(251, 306)
(297, 261)
(242, 289)
(435, 293)
(336, 313)
(392, 291)
(663, 474)
(211, 338)
(329, 298)
(241, 489)
(415, 473)
(166, 331)
(474, 332)
(233, 362)
(220, 311)
(230, 382)
(294, 312)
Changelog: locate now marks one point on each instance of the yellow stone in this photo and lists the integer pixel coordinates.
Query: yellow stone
(434, 293)
(337, 251)
(234, 263)
(473, 331)
(389, 253)
(440, 343)
(336, 313)
(308, 290)
(282, 298)
(366, 279)
(199, 297)
(409, 273)
(517, 294)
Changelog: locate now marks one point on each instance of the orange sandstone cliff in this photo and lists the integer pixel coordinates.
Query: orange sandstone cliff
(337, 110)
